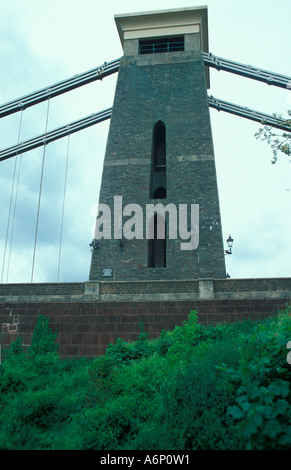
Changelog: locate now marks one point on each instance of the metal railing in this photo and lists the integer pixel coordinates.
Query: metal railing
(157, 47)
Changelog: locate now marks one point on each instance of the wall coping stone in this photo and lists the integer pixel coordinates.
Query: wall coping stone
(148, 290)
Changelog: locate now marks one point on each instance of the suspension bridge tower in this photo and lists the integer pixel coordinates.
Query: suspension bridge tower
(160, 152)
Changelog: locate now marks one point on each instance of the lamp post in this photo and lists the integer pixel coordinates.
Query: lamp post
(229, 244)
(94, 245)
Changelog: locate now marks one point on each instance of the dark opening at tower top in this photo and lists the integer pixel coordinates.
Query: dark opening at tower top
(158, 45)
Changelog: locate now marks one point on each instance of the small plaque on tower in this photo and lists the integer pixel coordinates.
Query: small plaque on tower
(107, 272)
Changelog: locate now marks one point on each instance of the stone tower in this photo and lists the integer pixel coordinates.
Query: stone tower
(160, 151)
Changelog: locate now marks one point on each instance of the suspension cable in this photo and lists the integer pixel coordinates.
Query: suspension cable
(40, 191)
(14, 212)
(108, 68)
(10, 203)
(63, 208)
(252, 114)
(248, 71)
(56, 134)
(8, 222)
(96, 118)
(57, 89)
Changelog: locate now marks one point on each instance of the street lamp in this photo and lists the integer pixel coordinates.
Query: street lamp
(229, 244)
(94, 245)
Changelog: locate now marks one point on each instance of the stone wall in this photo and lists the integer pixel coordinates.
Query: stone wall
(111, 291)
(86, 322)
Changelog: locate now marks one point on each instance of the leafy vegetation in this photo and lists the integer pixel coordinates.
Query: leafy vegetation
(195, 387)
(280, 142)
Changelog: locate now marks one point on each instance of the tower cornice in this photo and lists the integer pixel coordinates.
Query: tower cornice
(164, 23)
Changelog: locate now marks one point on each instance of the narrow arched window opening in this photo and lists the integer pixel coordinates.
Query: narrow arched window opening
(160, 193)
(158, 188)
(157, 246)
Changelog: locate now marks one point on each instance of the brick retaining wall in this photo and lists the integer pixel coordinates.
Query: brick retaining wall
(86, 324)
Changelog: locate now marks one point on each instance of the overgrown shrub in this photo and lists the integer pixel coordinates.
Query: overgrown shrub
(194, 404)
(195, 387)
(125, 352)
(100, 379)
(124, 397)
(43, 339)
(262, 385)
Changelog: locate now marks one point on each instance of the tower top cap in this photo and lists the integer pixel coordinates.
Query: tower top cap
(164, 23)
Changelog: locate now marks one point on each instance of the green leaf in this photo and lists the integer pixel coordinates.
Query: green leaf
(280, 408)
(272, 428)
(254, 393)
(286, 438)
(248, 428)
(279, 388)
(256, 416)
(235, 412)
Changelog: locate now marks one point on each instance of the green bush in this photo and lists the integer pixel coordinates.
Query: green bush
(178, 344)
(194, 404)
(44, 409)
(12, 379)
(262, 409)
(34, 418)
(196, 387)
(43, 339)
(100, 379)
(125, 352)
(124, 397)
(105, 427)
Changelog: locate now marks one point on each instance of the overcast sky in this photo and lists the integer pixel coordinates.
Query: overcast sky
(44, 42)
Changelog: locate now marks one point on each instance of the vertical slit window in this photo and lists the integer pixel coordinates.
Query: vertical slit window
(157, 246)
(158, 188)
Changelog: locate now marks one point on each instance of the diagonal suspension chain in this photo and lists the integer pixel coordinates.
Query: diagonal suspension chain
(93, 119)
(109, 68)
(64, 86)
(55, 134)
(112, 67)
(248, 71)
(253, 115)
